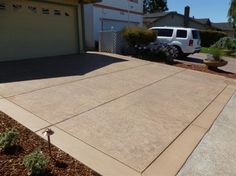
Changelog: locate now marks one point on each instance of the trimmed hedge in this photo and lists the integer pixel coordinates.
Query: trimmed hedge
(138, 36)
(209, 37)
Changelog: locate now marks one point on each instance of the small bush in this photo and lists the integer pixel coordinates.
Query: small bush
(138, 36)
(209, 37)
(8, 139)
(157, 49)
(36, 162)
(216, 53)
(228, 43)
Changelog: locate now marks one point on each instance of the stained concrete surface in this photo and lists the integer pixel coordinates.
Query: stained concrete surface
(73, 98)
(216, 153)
(150, 117)
(129, 110)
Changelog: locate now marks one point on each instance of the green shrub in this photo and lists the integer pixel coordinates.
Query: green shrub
(138, 36)
(165, 56)
(228, 43)
(209, 37)
(36, 162)
(8, 138)
(216, 53)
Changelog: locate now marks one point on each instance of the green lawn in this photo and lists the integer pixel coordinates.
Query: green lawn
(224, 52)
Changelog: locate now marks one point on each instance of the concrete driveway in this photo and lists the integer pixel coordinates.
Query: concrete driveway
(118, 115)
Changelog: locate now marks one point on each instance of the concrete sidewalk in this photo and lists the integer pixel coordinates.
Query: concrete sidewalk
(216, 154)
(123, 117)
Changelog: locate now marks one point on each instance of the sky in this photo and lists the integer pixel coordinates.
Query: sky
(216, 10)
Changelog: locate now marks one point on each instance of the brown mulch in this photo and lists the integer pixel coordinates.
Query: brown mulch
(204, 68)
(196, 67)
(11, 161)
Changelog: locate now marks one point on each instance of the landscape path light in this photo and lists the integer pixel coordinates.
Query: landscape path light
(48, 132)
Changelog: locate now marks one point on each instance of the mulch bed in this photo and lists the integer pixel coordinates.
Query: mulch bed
(11, 161)
(204, 68)
(197, 67)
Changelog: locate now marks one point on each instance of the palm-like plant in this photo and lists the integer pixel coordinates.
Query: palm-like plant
(232, 12)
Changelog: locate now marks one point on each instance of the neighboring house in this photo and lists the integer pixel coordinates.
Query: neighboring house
(227, 28)
(111, 15)
(175, 19)
(40, 28)
(179, 20)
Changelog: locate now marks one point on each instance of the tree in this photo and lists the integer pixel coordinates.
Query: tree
(232, 12)
(150, 6)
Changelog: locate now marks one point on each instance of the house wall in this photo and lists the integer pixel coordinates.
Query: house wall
(169, 20)
(124, 4)
(197, 25)
(111, 15)
(89, 25)
(231, 33)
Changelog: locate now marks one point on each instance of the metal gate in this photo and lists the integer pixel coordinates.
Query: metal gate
(111, 42)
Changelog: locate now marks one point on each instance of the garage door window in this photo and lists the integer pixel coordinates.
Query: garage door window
(32, 9)
(45, 11)
(16, 7)
(2, 6)
(57, 12)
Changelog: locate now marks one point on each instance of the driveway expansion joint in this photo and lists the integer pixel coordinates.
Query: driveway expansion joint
(187, 127)
(98, 149)
(30, 113)
(136, 90)
(77, 80)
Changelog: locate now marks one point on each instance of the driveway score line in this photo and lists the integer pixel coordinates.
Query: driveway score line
(184, 129)
(51, 125)
(31, 113)
(55, 124)
(77, 80)
(224, 95)
(148, 85)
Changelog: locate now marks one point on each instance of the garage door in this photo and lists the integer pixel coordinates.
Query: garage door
(35, 29)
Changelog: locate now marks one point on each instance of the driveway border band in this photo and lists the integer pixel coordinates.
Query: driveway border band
(176, 154)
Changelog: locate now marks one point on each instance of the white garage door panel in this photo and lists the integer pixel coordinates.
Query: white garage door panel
(27, 34)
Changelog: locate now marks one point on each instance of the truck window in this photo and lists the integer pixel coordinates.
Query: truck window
(165, 32)
(181, 34)
(195, 34)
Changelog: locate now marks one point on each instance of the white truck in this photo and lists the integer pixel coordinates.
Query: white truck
(185, 40)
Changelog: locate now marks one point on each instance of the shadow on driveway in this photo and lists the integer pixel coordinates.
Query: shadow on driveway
(192, 59)
(51, 67)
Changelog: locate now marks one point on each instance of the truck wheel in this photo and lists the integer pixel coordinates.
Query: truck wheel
(177, 52)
